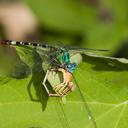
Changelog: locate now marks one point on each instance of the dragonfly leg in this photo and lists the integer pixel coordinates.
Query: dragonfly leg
(44, 82)
(45, 86)
(57, 90)
(72, 86)
(60, 90)
(67, 85)
(63, 88)
(57, 87)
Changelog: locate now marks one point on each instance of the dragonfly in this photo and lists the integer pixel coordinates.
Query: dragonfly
(60, 61)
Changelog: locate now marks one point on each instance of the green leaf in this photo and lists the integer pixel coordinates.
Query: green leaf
(102, 80)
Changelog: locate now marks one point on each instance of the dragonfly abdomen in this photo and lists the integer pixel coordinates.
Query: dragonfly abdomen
(11, 42)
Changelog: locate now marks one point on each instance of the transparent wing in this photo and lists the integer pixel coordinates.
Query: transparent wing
(85, 49)
(90, 115)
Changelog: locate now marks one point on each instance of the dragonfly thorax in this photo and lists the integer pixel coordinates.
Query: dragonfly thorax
(63, 56)
(66, 57)
(62, 60)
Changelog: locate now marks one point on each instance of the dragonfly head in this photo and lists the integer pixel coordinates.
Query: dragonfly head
(70, 67)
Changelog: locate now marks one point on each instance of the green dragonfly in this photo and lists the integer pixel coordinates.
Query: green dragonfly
(59, 59)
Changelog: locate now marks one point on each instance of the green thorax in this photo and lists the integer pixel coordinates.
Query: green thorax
(63, 56)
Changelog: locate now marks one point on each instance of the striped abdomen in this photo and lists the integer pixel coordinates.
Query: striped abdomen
(10, 42)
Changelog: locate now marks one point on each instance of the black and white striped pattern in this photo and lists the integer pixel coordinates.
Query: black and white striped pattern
(10, 42)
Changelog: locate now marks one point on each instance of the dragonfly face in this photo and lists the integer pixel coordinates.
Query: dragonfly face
(62, 60)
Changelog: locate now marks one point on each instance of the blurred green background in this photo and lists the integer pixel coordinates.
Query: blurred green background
(100, 24)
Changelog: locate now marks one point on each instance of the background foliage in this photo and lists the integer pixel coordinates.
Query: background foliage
(103, 80)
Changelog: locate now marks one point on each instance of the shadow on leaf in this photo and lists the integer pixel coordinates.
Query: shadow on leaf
(105, 64)
(37, 77)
